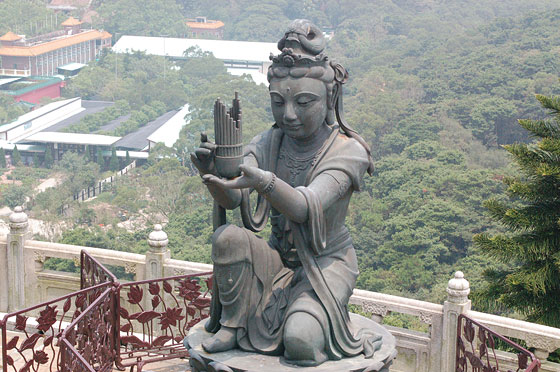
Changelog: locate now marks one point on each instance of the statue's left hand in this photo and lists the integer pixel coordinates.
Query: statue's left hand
(251, 177)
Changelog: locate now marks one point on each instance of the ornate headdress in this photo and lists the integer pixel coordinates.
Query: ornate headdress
(302, 56)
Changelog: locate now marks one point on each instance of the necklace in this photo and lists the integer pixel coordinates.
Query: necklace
(298, 164)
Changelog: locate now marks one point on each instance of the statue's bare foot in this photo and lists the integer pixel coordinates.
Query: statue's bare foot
(225, 339)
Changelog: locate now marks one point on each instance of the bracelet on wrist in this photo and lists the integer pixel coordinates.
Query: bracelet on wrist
(270, 186)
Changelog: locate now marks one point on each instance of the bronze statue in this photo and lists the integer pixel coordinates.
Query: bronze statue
(289, 296)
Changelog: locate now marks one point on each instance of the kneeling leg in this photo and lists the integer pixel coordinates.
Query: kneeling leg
(231, 256)
(304, 340)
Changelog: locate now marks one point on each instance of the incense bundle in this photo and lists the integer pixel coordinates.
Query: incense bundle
(229, 141)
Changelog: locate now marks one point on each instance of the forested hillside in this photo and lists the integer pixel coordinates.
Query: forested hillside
(435, 87)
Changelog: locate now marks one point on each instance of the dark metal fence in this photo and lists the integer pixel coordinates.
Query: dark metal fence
(37, 329)
(477, 345)
(164, 310)
(103, 185)
(92, 272)
(89, 343)
(94, 328)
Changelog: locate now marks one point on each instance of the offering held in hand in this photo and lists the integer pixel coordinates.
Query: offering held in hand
(229, 141)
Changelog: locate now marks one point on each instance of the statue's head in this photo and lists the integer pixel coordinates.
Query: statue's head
(305, 86)
(302, 79)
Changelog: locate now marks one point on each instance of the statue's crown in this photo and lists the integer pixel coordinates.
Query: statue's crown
(302, 45)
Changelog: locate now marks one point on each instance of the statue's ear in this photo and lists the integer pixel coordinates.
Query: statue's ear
(331, 104)
(330, 116)
(334, 96)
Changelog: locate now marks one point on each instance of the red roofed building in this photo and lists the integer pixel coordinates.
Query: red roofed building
(42, 55)
(200, 27)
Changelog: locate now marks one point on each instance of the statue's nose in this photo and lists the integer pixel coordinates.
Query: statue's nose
(289, 114)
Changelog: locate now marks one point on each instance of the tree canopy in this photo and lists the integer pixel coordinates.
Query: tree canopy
(531, 246)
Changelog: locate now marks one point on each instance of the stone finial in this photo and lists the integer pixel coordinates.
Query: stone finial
(458, 288)
(158, 239)
(18, 220)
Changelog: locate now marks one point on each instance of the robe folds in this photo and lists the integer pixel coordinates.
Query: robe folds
(306, 267)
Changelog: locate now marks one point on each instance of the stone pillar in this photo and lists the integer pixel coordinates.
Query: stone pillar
(157, 254)
(457, 303)
(15, 260)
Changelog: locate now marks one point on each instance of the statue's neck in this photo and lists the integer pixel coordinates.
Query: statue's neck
(311, 143)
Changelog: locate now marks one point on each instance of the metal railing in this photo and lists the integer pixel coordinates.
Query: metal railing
(88, 343)
(39, 328)
(102, 186)
(14, 72)
(164, 311)
(94, 328)
(477, 349)
(92, 272)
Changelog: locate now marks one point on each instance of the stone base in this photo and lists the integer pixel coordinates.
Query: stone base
(242, 361)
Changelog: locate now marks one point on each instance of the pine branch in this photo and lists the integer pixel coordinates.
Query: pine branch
(541, 128)
(551, 103)
(536, 217)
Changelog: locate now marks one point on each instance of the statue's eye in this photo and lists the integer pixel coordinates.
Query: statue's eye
(306, 98)
(276, 100)
(304, 101)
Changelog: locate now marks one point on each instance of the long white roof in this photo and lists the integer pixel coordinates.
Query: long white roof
(73, 138)
(175, 47)
(36, 113)
(168, 133)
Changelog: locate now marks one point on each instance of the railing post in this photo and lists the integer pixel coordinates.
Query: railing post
(157, 254)
(15, 261)
(458, 290)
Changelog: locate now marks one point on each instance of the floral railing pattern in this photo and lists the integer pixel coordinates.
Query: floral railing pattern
(92, 272)
(37, 343)
(476, 349)
(164, 310)
(88, 343)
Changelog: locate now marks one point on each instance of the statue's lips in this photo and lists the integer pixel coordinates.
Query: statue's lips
(293, 126)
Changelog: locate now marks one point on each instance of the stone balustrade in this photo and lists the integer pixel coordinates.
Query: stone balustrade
(432, 351)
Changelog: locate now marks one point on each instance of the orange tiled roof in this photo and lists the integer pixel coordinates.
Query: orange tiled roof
(71, 22)
(105, 35)
(36, 50)
(209, 25)
(10, 36)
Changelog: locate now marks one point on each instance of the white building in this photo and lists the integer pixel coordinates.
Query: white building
(240, 57)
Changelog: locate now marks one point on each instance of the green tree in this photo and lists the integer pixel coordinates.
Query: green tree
(153, 18)
(127, 159)
(35, 160)
(29, 17)
(114, 162)
(79, 174)
(531, 248)
(13, 195)
(2, 158)
(88, 153)
(49, 161)
(16, 156)
(100, 159)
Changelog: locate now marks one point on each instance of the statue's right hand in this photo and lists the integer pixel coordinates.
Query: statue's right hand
(203, 156)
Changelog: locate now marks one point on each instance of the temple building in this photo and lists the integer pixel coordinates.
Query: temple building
(200, 27)
(43, 55)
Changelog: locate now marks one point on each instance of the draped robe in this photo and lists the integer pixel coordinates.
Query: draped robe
(306, 267)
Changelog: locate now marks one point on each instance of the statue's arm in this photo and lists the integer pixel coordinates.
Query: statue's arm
(329, 186)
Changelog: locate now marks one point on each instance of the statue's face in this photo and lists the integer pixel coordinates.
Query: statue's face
(299, 105)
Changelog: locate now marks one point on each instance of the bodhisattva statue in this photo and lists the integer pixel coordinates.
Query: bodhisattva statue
(289, 296)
